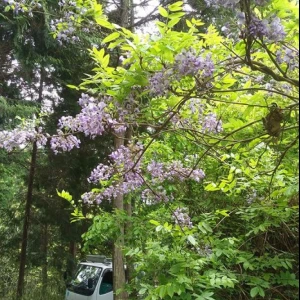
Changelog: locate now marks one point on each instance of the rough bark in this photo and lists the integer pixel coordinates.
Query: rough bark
(71, 261)
(118, 260)
(118, 204)
(128, 209)
(20, 285)
(44, 250)
(28, 204)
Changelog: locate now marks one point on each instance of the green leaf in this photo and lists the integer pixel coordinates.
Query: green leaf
(142, 291)
(105, 61)
(212, 187)
(173, 22)
(104, 23)
(170, 290)
(65, 195)
(254, 291)
(222, 212)
(261, 292)
(207, 227)
(176, 6)
(163, 12)
(111, 37)
(73, 87)
(154, 222)
(192, 240)
(177, 15)
(162, 290)
(188, 23)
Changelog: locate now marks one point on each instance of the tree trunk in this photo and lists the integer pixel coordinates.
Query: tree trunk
(44, 250)
(128, 209)
(71, 260)
(20, 286)
(118, 261)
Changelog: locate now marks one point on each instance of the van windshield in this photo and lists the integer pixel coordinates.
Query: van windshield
(85, 280)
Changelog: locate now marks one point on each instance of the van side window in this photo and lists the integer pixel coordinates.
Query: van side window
(106, 283)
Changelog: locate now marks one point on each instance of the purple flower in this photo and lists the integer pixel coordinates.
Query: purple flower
(160, 82)
(271, 29)
(173, 171)
(156, 169)
(276, 31)
(21, 137)
(187, 63)
(156, 195)
(181, 218)
(62, 142)
(101, 172)
(211, 124)
(258, 28)
(251, 197)
(288, 56)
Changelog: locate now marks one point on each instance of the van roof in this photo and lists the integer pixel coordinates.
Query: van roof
(98, 260)
(97, 264)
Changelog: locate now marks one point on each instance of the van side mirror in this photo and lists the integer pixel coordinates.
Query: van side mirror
(90, 283)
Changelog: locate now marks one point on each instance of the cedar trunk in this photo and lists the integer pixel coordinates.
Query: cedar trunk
(20, 286)
(118, 261)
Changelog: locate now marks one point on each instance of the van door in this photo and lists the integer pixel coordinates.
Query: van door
(105, 291)
(84, 284)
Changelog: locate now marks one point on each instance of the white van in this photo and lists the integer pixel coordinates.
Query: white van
(93, 280)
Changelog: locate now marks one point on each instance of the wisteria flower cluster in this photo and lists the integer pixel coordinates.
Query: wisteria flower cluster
(188, 63)
(159, 195)
(208, 121)
(23, 6)
(127, 111)
(173, 171)
(181, 218)
(66, 28)
(126, 174)
(160, 82)
(261, 2)
(289, 56)
(93, 120)
(212, 124)
(270, 29)
(63, 142)
(204, 250)
(16, 138)
(231, 3)
(22, 136)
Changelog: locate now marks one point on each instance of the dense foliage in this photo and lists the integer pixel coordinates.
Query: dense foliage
(209, 165)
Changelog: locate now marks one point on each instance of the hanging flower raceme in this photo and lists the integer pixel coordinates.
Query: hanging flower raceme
(23, 136)
(181, 218)
(126, 173)
(63, 142)
(269, 29)
(212, 124)
(67, 27)
(188, 63)
(123, 174)
(159, 83)
(94, 118)
(173, 171)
